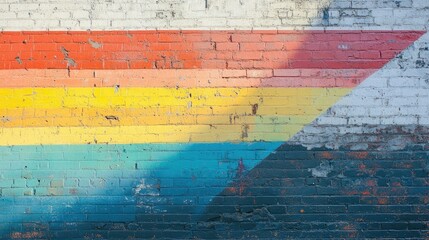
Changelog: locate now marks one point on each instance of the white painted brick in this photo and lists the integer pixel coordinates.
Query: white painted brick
(60, 15)
(364, 120)
(389, 72)
(334, 14)
(405, 120)
(296, 22)
(422, 111)
(183, 22)
(123, 23)
(149, 23)
(342, 4)
(84, 24)
(80, 14)
(283, 5)
(15, 7)
(423, 101)
(404, 92)
(212, 22)
(12, 15)
(23, 23)
(413, 20)
(410, 101)
(424, 121)
(97, 23)
(4, 7)
(387, 120)
(369, 92)
(347, 111)
(196, 5)
(363, 4)
(69, 23)
(331, 121)
(360, 101)
(386, 111)
(415, 72)
(240, 22)
(47, 7)
(47, 24)
(264, 13)
(142, 15)
(420, 3)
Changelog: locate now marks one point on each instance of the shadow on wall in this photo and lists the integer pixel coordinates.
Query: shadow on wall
(378, 191)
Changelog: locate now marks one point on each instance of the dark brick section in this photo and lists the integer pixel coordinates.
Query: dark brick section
(324, 194)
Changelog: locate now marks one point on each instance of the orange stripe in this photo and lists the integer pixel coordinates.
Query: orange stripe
(201, 49)
(183, 78)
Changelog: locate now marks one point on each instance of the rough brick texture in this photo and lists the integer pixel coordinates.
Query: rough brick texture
(202, 119)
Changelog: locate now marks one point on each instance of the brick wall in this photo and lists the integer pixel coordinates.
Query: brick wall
(214, 119)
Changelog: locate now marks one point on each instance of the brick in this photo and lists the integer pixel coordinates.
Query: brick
(259, 73)
(246, 38)
(252, 46)
(247, 55)
(227, 46)
(287, 72)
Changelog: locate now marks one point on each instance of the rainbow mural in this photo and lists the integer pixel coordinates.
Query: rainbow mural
(105, 126)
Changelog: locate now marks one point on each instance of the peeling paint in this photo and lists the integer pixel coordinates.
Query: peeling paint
(322, 170)
(95, 44)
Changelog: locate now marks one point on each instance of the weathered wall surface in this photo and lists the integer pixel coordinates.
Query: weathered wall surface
(214, 119)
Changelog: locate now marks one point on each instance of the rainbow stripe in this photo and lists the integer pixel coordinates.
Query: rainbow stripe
(149, 87)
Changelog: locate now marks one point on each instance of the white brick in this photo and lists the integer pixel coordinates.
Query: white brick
(364, 120)
(69, 23)
(212, 22)
(347, 111)
(363, 4)
(331, 121)
(80, 14)
(401, 120)
(420, 3)
(424, 121)
(142, 15)
(97, 23)
(124, 23)
(183, 22)
(404, 82)
(386, 111)
(15, 7)
(47, 24)
(60, 15)
(4, 7)
(234, 14)
(239, 23)
(84, 24)
(20, 24)
(410, 101)
(12, 15)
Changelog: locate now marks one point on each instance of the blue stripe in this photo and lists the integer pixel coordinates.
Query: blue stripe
(122, 181)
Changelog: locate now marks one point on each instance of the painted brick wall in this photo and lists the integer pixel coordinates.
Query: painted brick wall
(228, 119)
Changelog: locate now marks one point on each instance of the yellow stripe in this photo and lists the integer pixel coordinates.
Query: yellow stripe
(108, 117)
(224, 116)
(146, 134)
(49, 98)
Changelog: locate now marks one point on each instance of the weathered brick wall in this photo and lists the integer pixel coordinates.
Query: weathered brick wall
(214, 119)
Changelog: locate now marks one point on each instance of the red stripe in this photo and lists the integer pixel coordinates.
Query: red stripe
(201, 49)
